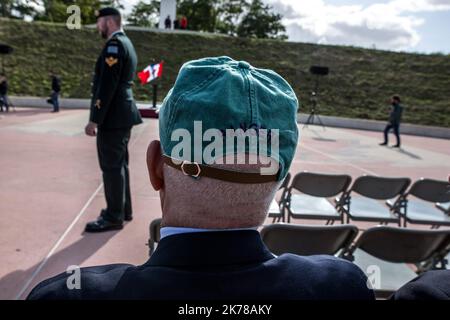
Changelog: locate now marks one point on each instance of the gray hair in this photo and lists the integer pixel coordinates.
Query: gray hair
(211, 203)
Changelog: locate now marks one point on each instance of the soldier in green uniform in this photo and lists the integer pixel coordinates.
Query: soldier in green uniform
(113, 113)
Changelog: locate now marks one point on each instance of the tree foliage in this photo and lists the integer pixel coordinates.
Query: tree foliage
(260, 22)
(201, 14)
(18, 9)
(53, 10)
(56, 10)
(243, 18)
(144, 13)
(229, 14)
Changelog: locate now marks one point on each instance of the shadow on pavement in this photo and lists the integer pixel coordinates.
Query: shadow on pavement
(75, 254)
(319, 137)
(409, 154)
(26, 112)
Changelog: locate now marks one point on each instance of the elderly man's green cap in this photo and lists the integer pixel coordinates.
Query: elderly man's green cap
(221, 93)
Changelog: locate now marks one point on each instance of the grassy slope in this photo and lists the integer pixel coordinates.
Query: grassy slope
(359, 83)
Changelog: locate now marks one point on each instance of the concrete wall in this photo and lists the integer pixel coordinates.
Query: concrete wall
(360, 124)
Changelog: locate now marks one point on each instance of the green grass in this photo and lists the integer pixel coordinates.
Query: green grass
(358, 86)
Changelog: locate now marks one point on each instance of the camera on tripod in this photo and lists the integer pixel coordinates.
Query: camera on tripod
(318, 71)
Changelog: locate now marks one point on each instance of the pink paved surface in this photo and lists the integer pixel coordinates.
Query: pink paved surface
(51, 186)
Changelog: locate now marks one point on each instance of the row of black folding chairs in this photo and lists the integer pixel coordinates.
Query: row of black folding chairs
(334, 198)
(426, 248)
(384, 253)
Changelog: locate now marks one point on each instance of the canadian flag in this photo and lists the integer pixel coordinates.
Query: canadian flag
(151, 72)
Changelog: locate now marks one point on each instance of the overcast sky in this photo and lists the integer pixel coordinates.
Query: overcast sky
(406, 25)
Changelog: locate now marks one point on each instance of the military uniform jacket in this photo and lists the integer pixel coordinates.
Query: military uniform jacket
(112, 104)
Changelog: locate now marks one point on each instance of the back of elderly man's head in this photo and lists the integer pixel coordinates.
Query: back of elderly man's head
(212, 203)
(231, 186)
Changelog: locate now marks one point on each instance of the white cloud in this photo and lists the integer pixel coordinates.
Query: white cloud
(392, 25)
(128, 5)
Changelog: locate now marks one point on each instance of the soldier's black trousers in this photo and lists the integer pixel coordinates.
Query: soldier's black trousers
(112, 148)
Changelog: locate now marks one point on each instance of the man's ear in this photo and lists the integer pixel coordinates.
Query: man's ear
(155, 165)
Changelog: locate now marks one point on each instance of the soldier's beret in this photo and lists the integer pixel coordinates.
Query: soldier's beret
(108, 11)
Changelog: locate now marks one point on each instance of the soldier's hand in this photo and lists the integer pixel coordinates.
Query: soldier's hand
(91, 129)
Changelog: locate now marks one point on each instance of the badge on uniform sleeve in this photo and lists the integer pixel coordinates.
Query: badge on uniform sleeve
(110, 61)
(112, 49)
(97, 103)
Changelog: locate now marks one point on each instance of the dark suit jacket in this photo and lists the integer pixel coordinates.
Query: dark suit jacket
(431, 285)
(112, 104)
(216, 265)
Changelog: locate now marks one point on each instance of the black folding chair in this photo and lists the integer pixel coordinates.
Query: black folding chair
(367, 206)
(306, 239)
(418, 205)
(277, 209)
(312, 202)
(444, 207)
(384, 252)
(155, 235)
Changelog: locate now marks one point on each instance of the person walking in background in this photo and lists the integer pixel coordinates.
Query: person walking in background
(3, 93)
(113, 114)
(56, 89)
(394, 121)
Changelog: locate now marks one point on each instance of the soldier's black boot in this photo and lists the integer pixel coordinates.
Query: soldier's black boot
(102, 224)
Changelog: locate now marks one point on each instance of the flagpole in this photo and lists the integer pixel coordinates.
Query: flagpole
(155, 89)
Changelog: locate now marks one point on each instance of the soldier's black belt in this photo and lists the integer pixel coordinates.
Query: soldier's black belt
(196, 170)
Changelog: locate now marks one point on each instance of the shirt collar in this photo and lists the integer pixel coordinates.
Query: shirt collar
(202, 249)
(115, 32)
(170, 231)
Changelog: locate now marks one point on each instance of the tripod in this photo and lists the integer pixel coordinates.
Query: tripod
(313, 114)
